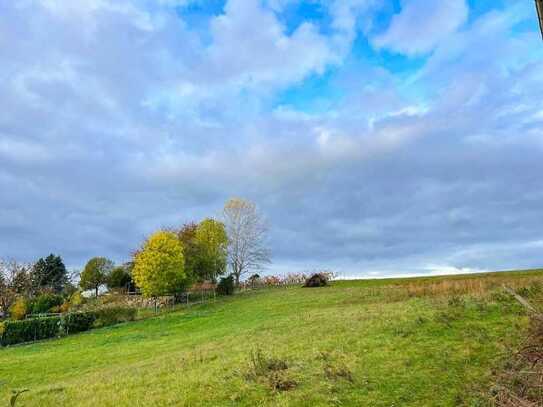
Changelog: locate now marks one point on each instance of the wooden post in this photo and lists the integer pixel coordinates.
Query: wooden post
(539, 7)
(524, 302)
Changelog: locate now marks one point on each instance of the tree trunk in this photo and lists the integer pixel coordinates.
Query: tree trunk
(96, 291)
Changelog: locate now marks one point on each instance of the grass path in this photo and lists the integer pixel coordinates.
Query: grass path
(342, 347)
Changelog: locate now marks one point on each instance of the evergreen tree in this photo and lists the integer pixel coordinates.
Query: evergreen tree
(49, 274)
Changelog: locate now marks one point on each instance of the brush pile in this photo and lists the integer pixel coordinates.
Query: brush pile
(521, 382)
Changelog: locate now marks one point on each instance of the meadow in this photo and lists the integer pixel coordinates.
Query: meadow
(400, 342)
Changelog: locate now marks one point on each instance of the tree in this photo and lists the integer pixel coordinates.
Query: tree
(7, 295)
(50, 274)
(15, 280)
(119, 278)
(159, 265)
(246, 233)
(212, 244)
(18, 276)
(187, 237)
(96, 273)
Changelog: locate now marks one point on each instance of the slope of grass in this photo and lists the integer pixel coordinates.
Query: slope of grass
(350, 344)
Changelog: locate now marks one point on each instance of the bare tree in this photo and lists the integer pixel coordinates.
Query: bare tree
(246, 232)
(15, 279)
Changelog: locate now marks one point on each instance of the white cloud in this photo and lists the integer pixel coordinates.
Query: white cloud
(23, 151)
(250, 48)
(422, 25)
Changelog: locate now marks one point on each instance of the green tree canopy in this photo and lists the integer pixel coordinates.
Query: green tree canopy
(187, 236)
(159, 267)
(212, 243)
(96, 273)
(49, 273)
(119, 278)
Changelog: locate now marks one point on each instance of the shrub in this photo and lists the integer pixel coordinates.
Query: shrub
(78, 322)
(272, 281)
(43, 303)
(226, 285)
(295, 278)
(76, 300)
(317, 280)
(113, 315)
(19, 309)
(65, 307)
(29, 330)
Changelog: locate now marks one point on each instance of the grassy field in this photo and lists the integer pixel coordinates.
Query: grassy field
(356, 343)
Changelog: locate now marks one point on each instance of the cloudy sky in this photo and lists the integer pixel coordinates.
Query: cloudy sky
(379, 137)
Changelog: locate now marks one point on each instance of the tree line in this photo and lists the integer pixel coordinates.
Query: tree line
(167, 262)
(172, 259)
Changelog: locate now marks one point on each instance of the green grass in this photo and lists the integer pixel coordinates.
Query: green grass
(351, 344)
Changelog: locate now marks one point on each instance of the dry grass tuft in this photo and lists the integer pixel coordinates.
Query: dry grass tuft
(273, 370)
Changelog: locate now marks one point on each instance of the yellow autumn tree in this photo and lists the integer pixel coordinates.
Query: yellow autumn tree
(212, 244)
(159, 265)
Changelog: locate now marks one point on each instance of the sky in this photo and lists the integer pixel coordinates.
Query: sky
(377, 137)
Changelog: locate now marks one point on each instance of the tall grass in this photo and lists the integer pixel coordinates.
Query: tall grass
(442, 288)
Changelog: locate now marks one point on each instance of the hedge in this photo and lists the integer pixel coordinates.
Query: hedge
(77, 322)
(114, 315)
(28, 330)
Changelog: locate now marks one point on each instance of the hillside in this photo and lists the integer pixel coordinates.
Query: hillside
(375, 343)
